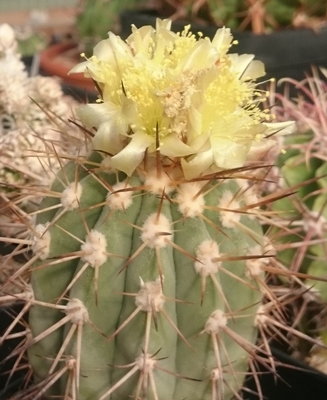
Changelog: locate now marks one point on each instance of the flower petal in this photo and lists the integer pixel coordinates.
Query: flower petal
(141, 39)
(222, 40)
(108, 138)
(280, 128)
(198, 164)
(240, 62)
(79, 68)
(164, 24)
(132, 155)
(118, 48)
(172, 146)
(228, 153)
(93, 115)
(255, 70)
(202, 54)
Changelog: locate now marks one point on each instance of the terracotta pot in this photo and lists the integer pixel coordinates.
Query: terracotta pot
(58, 59)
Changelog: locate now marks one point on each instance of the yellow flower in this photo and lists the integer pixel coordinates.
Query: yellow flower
(178, 93)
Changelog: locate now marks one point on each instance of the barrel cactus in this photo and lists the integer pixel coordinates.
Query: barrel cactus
(149, 260)
(33, 117)
(303, 165)
(34, 129)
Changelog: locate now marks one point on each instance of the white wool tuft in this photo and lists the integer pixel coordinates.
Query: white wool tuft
(41, 241)
(94, 249)
(119, 199)
(156, 231)
(205, 253)
(229, 219)
(216, 322)
(190, 199)
(71, 196)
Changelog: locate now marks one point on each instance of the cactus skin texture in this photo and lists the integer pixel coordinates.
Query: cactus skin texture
(153, 297)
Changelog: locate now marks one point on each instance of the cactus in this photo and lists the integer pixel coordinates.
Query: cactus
(149, 259)
(33, 118)
(303, 164)
(33, 122)
(32, 112)
(303, 159)
(146, 267)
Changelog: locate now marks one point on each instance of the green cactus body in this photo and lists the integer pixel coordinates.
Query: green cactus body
(306, 179)
(304, 240)
(150, 270)
(303, 216)
(309, 214)
(151, 309)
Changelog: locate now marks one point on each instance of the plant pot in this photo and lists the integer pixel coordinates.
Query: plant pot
(13, 369)
(293, 380)
(285, 53)
(57, 60)
(11, 382)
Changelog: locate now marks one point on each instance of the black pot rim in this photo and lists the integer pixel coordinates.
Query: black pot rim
(147, 13)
